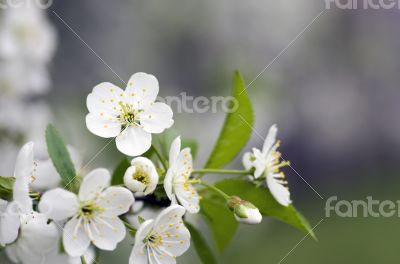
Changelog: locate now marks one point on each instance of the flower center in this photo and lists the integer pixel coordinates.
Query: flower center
(153, 240)
(141, 177)
(276, 163)
(128, 115)
(88, 210)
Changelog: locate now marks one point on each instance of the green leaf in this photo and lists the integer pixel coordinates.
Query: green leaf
(203, 250)
(119, 172)
(6, 187)
(221, 221)
(60, 156)
(236, 130)
(7, 183)
(266, 203)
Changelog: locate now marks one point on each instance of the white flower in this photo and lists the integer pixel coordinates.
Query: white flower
(132, 116)
(267, 164)
(21, 205)
(161, 240)
(245, 212)
(34, 237)
(26, 33)
(94, 213)
(176, 183)
(142, 176)
(37, 238)
(19, 78)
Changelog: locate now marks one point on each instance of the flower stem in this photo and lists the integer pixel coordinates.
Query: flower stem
(160, 157)
(83, 261)
(132, 230)
(211, 187)
(218, 171)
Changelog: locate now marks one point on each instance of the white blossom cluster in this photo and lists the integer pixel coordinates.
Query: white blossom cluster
(27, 45)
(64, 225)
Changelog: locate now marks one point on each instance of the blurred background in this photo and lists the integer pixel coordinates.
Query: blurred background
(334, 95)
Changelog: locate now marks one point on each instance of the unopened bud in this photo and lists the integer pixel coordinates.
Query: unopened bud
(142, 176)
(245, 212)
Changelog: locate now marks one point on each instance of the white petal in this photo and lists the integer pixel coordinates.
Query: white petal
(116, 201)
(133, 141)
(187, 196)
(139, 252)
(75, 239)
(107, 232)
(106, 97)
(169, 177)
(176, 241)
(270, 139)
(156, 118)
(11, 252)
(37, 234)
(94, 184)
(9, 224)
(24, 164)
(278, 191)
(246, 160)
(59, 204)
(3, 206)
(174, 233)
(184, 163)
(171, 215)
(174, 151)
(22, 254)
(142, 90)
(103, 126)
(259, 163)
(24, 170)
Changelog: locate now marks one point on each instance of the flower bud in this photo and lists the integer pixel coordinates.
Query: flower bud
(245, 212)
(142, 176)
